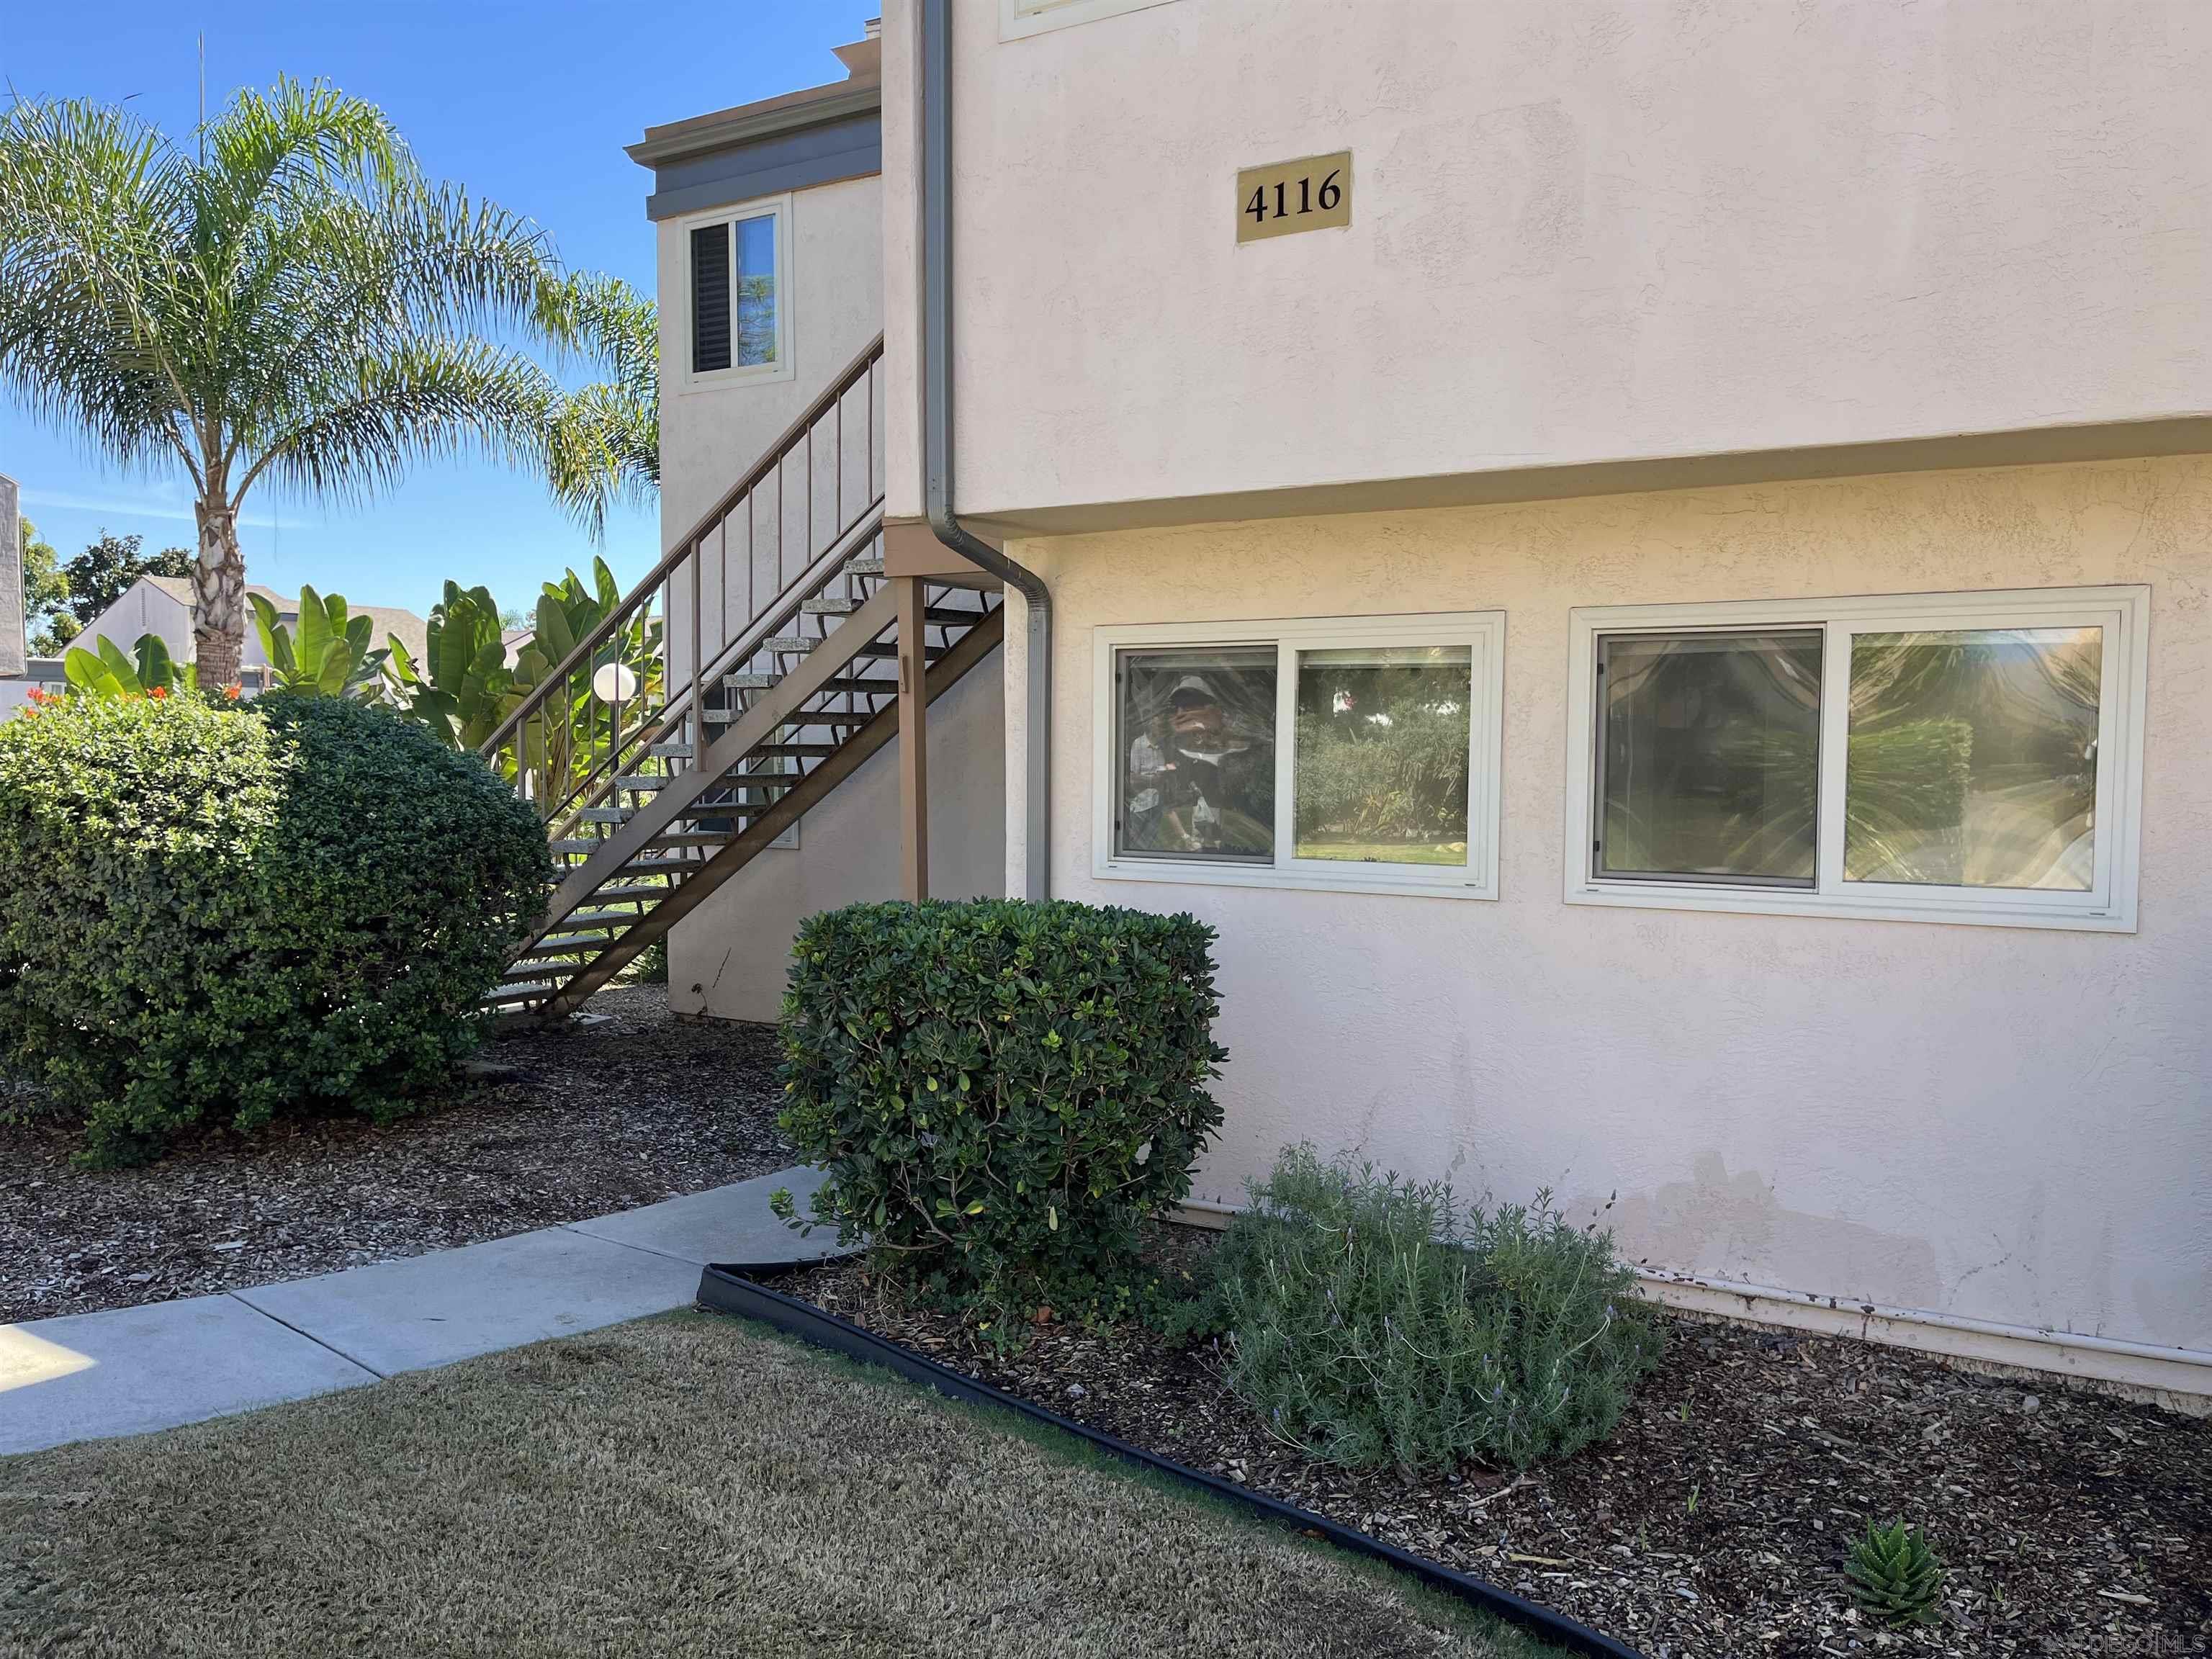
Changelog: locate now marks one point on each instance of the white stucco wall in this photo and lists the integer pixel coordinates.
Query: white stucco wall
(710, 434)
(728, 957)
(1580, 232)
(142, 609)
(1992, 1124)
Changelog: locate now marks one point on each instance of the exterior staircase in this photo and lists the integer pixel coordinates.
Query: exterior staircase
(697, 723)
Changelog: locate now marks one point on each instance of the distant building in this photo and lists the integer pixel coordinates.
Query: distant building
(163, 605)
(11, 581)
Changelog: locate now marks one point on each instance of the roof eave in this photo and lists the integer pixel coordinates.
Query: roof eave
(704, 135)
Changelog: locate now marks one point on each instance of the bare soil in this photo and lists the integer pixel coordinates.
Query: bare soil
(1714, 1524)
(556, 1126)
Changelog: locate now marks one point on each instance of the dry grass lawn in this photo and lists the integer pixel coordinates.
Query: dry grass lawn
(681, 1486)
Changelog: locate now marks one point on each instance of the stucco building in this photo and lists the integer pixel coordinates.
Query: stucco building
(1646, 569)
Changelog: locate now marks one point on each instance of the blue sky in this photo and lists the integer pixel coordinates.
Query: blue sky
(529, 104)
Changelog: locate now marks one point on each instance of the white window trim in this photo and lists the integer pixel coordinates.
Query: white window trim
(1019, 19)
(783, 368)
(1483, 631)
(2110, 904)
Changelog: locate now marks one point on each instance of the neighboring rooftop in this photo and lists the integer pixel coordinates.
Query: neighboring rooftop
(387, 619)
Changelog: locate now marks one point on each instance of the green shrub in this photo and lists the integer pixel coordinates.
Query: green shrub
(1379, 1322)
(245, 910)
(1001, 1092)
(651, 967)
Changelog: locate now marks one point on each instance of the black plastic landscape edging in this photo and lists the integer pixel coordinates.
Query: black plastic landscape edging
(729, 1287)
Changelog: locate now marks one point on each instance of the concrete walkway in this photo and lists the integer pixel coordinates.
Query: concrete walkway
(85, 1376)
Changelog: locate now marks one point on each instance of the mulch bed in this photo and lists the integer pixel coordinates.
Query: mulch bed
(558, 1126)
(1714, 1523)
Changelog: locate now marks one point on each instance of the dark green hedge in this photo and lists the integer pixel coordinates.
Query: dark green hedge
(1001, 1092)
(237, 911)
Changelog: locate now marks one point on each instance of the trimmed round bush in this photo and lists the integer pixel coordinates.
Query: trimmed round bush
(1376, 1320)
(1002, 1092)
(232, 911)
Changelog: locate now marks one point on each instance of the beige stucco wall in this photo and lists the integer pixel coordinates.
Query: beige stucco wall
(727, 959)
(1581, 232)
(710, 434)
(1991, 1124)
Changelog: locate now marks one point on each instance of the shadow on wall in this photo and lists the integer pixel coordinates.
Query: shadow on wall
(1732, 1227)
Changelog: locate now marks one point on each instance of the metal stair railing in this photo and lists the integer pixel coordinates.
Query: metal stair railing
(636, 682)
(566, 988)
(694, 828)
(698, 720)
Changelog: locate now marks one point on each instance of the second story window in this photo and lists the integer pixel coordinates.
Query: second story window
(737, 318)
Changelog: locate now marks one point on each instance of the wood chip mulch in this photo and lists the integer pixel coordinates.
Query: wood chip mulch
(1713, 1525)
(553, 1128)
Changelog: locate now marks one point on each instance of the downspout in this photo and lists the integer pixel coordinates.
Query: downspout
(936, 435)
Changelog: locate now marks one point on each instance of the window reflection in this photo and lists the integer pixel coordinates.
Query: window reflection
(1197, 741)
(1710, 756)
(1973, 757)
(1383, 754)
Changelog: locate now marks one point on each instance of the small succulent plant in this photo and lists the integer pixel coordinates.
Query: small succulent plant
(1895, 1575)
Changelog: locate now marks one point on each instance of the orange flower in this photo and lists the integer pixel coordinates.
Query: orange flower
(233, 691)
(158, 692)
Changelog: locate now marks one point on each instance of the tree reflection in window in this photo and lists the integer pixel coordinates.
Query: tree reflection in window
(1383, 754)
(1973, 757)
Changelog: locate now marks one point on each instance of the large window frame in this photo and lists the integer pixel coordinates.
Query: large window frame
(2108, 906)
(1483, 632)
(775, 208)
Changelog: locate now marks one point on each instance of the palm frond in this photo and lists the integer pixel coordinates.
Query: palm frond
(94, 216)
(294, 142)
(301, 302)
(356, 428)
(346, 280)
(603, 441)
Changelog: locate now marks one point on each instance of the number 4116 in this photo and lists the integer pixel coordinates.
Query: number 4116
(1309, 198)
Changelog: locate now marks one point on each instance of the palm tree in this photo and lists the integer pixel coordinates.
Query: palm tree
(295, 301)
(603, 441)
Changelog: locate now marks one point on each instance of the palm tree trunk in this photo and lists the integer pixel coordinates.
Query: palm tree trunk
(218, 597)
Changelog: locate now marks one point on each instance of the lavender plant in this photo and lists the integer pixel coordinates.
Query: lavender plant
(1375, 1320)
